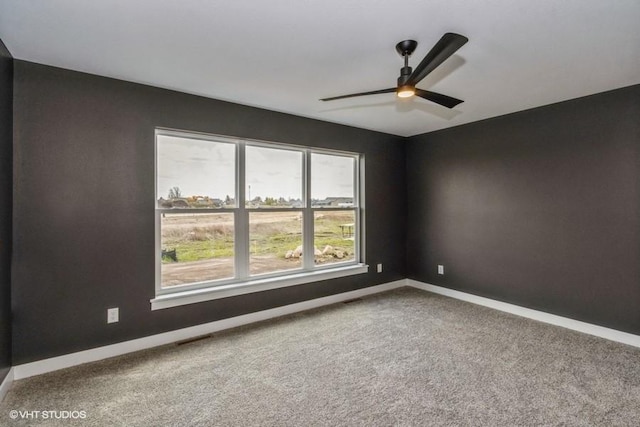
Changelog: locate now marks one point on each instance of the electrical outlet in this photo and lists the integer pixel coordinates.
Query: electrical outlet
(440, 269)
(113, 315)
(380, 268)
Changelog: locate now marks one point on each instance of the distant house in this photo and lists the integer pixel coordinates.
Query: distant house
(206, 202)
(321, 203)
(342, 202)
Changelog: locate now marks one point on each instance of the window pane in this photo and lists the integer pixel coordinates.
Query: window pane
(332, 180)
(195, 173)
(334, 236)
(275, 241)
(273, 178)
(196, 247)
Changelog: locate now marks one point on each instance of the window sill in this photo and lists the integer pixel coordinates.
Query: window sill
(258, 285)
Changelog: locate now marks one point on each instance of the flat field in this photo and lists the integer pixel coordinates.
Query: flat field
(204, 243)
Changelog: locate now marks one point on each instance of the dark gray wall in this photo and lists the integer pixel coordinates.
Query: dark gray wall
(84, 203)
(540, 208)
(6, 180)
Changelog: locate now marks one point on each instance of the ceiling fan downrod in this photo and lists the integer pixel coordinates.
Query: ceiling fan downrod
(405, 48)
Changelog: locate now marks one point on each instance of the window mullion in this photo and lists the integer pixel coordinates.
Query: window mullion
(241, 217)
(358, 185)
(307, 224)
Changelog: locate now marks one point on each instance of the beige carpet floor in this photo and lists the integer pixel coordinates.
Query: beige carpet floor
(404, 357)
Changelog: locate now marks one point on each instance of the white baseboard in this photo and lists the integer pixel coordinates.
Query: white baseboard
(576, 325)
(6, 384)
(55, 363)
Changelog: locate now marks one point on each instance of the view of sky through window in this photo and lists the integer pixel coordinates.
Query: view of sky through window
(207, 169)
(331, 176)
(196, 167)
(273, 173)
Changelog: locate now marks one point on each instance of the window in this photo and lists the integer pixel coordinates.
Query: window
(236, 216)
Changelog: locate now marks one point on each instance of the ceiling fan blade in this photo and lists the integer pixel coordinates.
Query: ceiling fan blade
(373, 92)
(446, 46)
(444, 100)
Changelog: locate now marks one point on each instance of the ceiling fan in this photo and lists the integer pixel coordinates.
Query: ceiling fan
(406, 88)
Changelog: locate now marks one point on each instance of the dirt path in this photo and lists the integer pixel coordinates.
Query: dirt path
(178, 273)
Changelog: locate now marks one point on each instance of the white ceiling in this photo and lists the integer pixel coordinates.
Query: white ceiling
(284, 55)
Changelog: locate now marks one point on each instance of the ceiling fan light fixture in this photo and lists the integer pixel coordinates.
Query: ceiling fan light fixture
(406, 91)
(405, 87)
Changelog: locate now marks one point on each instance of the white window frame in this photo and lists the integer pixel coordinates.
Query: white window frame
(243, 282)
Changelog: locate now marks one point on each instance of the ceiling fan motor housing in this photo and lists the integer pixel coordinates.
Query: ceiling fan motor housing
(405, 72)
